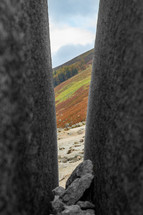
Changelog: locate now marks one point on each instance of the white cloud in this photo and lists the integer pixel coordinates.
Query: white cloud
(66, 53)
(65, 34)
(72, 26)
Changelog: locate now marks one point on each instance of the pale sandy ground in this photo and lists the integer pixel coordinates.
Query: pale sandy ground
(70, 151)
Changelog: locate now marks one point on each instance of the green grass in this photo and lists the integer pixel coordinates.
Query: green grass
(80, 80)
(72, 89)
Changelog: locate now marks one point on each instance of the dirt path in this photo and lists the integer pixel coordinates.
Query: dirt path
(70, 151)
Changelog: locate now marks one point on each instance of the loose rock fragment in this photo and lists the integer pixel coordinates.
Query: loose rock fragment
(80, 131)
(77, 146)
(72, 210)
(82, 169)
(57, 205)
(61, 148)
(89, 212)
(58, 191)
(85, 205)
(70, 151)
(66, 202)
(75, 191)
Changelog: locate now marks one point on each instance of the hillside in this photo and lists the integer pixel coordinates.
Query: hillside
(72, 95)
(72, 67)
(87, 57)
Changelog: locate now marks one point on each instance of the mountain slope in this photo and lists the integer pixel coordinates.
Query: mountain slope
(86, 56)
(72, 96)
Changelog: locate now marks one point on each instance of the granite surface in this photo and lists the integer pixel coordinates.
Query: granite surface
(28, 139)
(115, 109)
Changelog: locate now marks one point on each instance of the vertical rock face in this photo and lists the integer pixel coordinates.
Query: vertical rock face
(115, 109)
(43, 149)
(42, 153)
(28, 150)
(14, 112)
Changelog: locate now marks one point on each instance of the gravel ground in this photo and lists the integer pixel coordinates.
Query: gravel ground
(70, 151)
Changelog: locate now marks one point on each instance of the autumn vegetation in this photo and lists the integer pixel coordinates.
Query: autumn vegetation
(64, 73)
(72, 95)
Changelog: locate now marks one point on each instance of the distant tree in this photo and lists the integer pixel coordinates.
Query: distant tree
(64, 73)
(82, 64)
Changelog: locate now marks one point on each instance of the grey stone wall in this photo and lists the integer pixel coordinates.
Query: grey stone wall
(28, 147)
(115, 110)
(14, 112)
(42, 153)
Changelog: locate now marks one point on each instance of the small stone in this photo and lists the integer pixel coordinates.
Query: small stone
(79, 157)
(57, 204)
(61, 148)
(81, 141)
(70, 133)
(82, 169)
(58, 191)
(85, 205)
(80, 132)
(76, 189)
(75, 210)
(72, 210)
(89, 212)
(70, 151)
(59, 129)
(64, 160)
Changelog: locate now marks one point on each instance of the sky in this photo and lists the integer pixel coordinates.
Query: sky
(72, 28)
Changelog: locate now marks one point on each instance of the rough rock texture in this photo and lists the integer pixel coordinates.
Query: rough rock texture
(15, 113)
(71, 210)
(85, 205)
(28, 152)
(115, 110)
(58, 191)
(75, 210)
(57, 205)
(82, 169)
(76, 190)
(73, 199)
(89, 212)
(42, 152)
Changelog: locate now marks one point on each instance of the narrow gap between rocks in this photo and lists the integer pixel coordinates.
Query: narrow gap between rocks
(71, 76)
